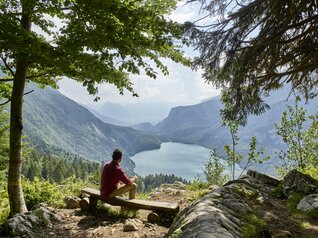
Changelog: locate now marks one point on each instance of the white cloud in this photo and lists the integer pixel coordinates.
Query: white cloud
(181, 87)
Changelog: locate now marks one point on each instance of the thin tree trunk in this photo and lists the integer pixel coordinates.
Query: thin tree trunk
(16, 198)
(17, 203)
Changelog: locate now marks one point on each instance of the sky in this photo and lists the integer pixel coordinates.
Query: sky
(182, 86)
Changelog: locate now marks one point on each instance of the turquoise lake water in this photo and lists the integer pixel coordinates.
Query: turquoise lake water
(174, 158)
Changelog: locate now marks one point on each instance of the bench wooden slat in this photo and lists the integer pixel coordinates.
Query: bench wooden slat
(133, 203)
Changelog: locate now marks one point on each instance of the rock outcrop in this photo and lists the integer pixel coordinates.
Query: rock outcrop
(297, 182)
(232, 211)
(23, 224)
(308, 203)
(218, 214)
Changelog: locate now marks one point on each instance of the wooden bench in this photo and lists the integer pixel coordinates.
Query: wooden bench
(94, 196)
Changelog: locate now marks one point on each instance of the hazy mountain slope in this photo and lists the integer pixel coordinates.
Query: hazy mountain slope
(135, 112)
(201, 124)
(193, 124)
(106, 119)
(114, 110)
(52, 120)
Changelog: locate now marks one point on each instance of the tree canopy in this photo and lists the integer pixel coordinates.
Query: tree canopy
(89, 41)
(92, 42)
(250, 47)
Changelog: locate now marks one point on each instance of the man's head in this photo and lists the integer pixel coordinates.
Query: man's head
(117, 155)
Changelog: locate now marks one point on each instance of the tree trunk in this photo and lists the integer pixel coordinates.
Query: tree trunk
(17, 203)
(16, 198)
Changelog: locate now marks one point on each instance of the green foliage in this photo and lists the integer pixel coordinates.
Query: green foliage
(40, 190)
(311, 146)
(293, 201)
(199, 194)
(142, 196)
(255, 47)
(73, 185)
(152, 181)
(233, 157)
(292, 133)
(246, 193)
(254, 226)
(254, 154)
(58, 168)
(176, 234)
(97, 42)
(113, 41)
(213, 170)
(302, 144)
(4, 158)
(278, 191)
(4, 200)
(4, 138)
(197, 184)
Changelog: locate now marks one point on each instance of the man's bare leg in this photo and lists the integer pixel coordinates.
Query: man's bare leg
(131, 188)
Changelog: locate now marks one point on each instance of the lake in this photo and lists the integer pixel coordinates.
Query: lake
(179, 159)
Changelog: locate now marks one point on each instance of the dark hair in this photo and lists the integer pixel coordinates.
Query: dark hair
(117, 154)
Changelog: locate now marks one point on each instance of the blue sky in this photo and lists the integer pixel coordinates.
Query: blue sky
(181, 87)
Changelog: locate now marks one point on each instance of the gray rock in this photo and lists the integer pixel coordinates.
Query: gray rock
(23, 224)
(213, 187)
(72, 202)
(132, 224)
(217, 214)
(308, 203)
(297, 182)
(263, 178)
(18, 226)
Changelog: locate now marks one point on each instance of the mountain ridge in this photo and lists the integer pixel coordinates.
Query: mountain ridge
(53, 120)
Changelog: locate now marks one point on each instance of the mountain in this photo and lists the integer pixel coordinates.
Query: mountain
(201, 124)
(133, 113)
(106, 119)
(114, 110)
(54, 122)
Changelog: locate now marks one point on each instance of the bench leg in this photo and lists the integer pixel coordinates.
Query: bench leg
(87, 204)
(92, 202)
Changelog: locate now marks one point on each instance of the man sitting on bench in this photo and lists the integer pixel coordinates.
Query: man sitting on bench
(114, 181)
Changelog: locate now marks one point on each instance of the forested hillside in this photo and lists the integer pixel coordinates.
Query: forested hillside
(53, 122)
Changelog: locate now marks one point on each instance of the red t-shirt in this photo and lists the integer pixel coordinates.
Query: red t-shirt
(111, 176)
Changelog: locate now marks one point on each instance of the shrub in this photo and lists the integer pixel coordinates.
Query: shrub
(197, 184)
(40, 190)
(4, 201)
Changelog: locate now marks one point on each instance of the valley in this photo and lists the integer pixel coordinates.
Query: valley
(56, 124)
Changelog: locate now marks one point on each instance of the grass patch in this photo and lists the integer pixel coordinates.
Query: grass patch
(142, 196)
(197, 184)
(293, 201)
(278, 192)
(254, 227)
(246, 193)
(199, 195)
(176, 234)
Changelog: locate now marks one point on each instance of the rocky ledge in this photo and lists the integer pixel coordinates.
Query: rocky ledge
(246, 207)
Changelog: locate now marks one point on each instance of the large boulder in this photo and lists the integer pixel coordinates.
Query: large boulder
(297, 182)
(264, 178)
(218, 213)
(23, 224)
(308, 203)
